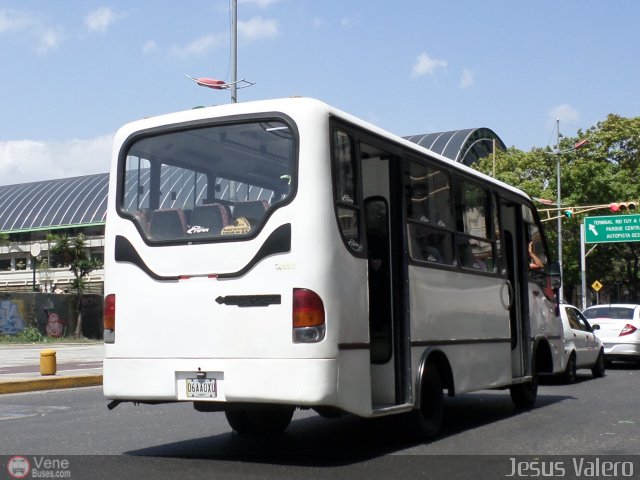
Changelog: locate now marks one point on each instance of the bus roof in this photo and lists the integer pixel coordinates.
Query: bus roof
(293, 105)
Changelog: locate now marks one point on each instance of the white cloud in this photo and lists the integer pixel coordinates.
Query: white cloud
(149, 46)
(12, 21)
(100, 20)
(565, 113)
(257, 28)
(467, 79)
(49, 39)
(38, 32)
(259, 3)
(24, 161)
(426, 66)
(200, 46)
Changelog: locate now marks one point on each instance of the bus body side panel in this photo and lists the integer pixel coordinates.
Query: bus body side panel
(463, 316)
(545, 323)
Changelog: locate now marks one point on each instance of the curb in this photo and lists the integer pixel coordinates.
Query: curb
(52, 383)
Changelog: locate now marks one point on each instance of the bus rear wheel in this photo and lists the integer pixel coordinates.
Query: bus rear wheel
(424, 423)
(263, 419)
(523, 395)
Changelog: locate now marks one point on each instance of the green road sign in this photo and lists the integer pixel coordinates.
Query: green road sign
(613, 228)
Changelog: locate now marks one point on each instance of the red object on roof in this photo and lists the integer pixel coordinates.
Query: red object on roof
(211, 83)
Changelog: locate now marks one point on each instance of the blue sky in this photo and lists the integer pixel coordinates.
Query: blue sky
(74, 71)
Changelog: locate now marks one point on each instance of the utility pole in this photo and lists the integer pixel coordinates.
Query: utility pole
(559, 204)
(234, 50)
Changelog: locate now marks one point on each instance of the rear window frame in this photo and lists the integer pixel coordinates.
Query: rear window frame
(142, 134)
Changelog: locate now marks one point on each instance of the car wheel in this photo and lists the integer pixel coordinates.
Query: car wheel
(569, 375)
(599, 368)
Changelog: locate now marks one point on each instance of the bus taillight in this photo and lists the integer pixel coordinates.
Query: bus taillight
(308, 316)
(109, 318)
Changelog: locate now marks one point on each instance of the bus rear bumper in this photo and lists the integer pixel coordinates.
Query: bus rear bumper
(286, 381)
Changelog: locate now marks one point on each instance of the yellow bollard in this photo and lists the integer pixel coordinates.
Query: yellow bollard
(47, 362)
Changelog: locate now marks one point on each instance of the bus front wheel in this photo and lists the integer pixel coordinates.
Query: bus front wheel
(259, 419)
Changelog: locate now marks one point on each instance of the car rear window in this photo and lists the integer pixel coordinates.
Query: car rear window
(616, 313)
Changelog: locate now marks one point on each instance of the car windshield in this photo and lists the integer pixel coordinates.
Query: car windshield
(615, 313)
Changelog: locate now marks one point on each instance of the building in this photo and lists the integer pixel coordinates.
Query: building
(31, 212)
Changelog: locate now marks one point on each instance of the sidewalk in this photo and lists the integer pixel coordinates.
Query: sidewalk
(78, 365)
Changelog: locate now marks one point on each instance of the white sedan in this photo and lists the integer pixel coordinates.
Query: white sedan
(582, 348)
(618, 326)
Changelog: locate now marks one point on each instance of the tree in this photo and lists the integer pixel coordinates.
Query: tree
(604, 171)
(74, 253)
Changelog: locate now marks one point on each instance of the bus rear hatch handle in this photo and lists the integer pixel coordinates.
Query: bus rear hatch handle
(250, 300)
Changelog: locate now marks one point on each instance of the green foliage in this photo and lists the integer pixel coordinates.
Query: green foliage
(28, 335)
(605, 170)
(74, 253)
(31, 334)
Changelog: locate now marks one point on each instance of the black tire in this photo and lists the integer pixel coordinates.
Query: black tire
(570, 373)
(523, 395)
(599, 368)
(259, 419)
(425, 422)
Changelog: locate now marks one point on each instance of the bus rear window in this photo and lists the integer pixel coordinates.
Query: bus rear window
(207, 183)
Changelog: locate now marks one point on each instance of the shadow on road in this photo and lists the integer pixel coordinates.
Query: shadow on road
(319, 442)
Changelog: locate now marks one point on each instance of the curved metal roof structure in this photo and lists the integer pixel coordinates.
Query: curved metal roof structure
(464, 146)
(82, 201)
(67, 202)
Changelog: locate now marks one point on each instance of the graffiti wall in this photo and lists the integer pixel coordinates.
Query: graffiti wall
(54, 315)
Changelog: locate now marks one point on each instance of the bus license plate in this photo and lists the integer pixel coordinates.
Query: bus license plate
(201, 388)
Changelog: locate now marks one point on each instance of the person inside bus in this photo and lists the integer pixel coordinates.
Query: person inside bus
(535, 263)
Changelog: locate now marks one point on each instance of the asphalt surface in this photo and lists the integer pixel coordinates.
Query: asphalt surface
(75, 365)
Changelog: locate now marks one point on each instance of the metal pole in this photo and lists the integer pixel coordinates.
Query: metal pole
(560, 213)
(493, 149)
(234, 50)
(33, 264)
(583, 268)
(234, 74)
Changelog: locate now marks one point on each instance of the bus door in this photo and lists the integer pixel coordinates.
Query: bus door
(388, 354)
(516, 262)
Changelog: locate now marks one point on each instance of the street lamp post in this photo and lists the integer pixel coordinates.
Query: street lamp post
(559, 204)
(35, 251)
(558, 154)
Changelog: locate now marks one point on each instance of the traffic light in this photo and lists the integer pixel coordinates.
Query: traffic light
(623, 207)
(568, 213)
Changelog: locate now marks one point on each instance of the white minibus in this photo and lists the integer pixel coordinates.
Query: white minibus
(267, 256)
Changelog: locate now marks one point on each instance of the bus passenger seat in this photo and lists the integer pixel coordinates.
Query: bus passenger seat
(212, 216)
(252, 211)
(168, 224)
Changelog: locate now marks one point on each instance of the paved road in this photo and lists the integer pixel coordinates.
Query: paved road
(591, 417)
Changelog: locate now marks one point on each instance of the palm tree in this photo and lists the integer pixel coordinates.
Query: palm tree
(74, 252)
